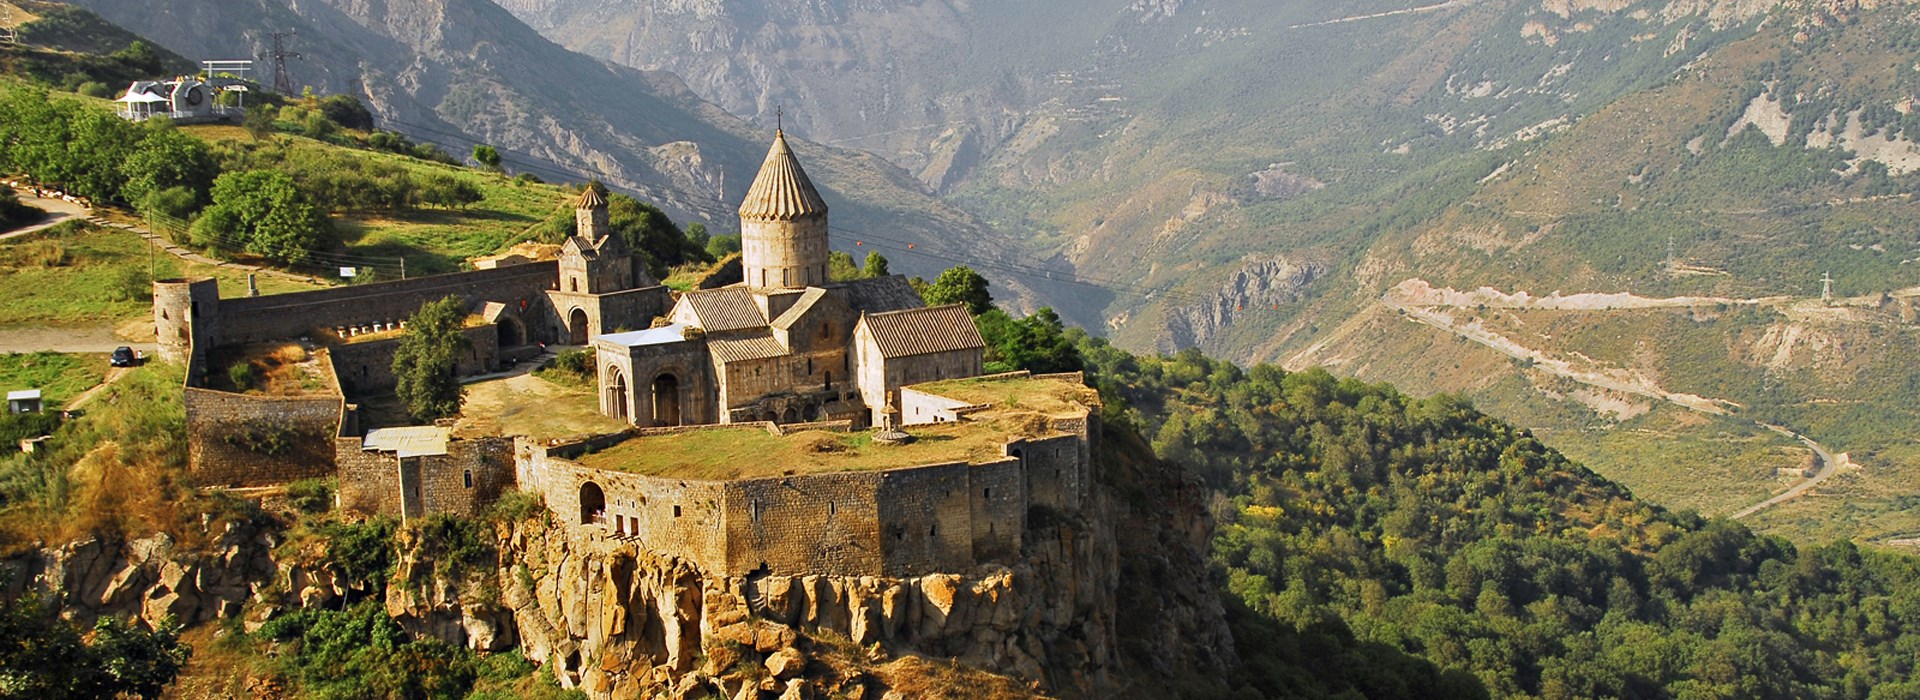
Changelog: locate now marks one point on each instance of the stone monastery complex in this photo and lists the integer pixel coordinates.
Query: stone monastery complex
(750, 404)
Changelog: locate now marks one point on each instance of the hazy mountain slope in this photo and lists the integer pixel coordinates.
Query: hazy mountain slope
(1251, 177)
(446, 71)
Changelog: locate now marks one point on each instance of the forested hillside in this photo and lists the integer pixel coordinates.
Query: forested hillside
(1357, 523)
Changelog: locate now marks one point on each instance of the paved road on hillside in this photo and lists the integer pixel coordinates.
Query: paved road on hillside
(1828, 467)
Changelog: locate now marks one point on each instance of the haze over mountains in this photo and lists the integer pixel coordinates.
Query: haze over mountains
(1297, 182)
(1257, 178)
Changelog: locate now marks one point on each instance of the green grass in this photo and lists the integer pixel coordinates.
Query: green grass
(1685, 461)
(750, 451)
(78, 273)
(431, 240)
(58, 376)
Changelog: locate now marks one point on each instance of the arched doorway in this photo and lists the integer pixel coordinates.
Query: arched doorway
(509, 333)
(790, 415)
(666, 400)
(617, 393)
(577, 327)
(593, 504)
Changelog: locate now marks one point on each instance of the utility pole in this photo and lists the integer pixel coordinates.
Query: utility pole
(1826, 288)
(281, 82)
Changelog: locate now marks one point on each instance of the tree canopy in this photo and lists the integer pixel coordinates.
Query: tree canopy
(424, 365)
(263, 213)
(960, 285)
(44, 657)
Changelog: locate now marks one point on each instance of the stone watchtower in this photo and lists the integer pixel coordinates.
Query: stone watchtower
(783, 225)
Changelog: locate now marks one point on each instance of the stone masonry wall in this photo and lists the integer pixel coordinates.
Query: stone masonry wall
(367, 367)
(279, 316)
(369, 481)
(825, 522)
(926, 520)
(997, 500)
(242, 440)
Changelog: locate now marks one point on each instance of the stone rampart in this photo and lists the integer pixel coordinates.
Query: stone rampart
(907, 521)
(367, 367)
(245, 440)
(279, 316)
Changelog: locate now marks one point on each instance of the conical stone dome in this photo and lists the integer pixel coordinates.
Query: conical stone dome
(782, 192)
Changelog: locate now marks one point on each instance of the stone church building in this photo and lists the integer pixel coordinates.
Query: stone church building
(784, 344)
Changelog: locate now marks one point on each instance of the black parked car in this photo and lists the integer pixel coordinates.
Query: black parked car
(123, 357)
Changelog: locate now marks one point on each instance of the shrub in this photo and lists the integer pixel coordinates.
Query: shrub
(242, 375)
(310, 495)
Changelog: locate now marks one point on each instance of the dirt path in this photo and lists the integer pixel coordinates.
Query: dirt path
(1448, 5)
(58, 210)
(69, 339)
(1829, 465)
(113, 375)
(1618, 380)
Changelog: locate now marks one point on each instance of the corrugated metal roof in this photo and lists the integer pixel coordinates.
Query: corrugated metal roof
(923, 331)
(23, 395)
(724, 309)
(755, 347)
(672, 333)
(414, 441)
(880, 294)
(781, 192)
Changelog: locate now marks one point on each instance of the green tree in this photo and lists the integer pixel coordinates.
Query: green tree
(723, 245)
(487, 156)
(260, 120)
(876, 265)
(428, 358)
(42, 656)
(347, 111)
(263, 213)
(841, 268)
(1038, 343)
(168, 158)
(960, 285)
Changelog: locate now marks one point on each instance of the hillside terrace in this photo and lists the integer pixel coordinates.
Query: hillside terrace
(1015, 408)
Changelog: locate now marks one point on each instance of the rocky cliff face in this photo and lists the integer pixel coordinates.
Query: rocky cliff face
(1116, 603)
(1263, 284)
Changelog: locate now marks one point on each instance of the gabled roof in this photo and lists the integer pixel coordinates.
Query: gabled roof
(759, 346)
(781, 192)
(813, 298)
(923, 331)
(724, 309)
(880, 294)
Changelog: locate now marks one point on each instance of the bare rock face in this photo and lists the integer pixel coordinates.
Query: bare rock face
(150, 578)
(1262, 283)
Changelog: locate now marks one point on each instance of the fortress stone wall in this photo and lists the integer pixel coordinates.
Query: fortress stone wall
(367, 367)
(282, 316)
(243, 440)
(900, 522)
(471, 476)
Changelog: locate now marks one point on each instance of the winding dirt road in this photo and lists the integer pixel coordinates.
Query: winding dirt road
(1620, 381)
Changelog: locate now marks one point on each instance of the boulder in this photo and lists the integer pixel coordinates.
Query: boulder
(786, 663)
